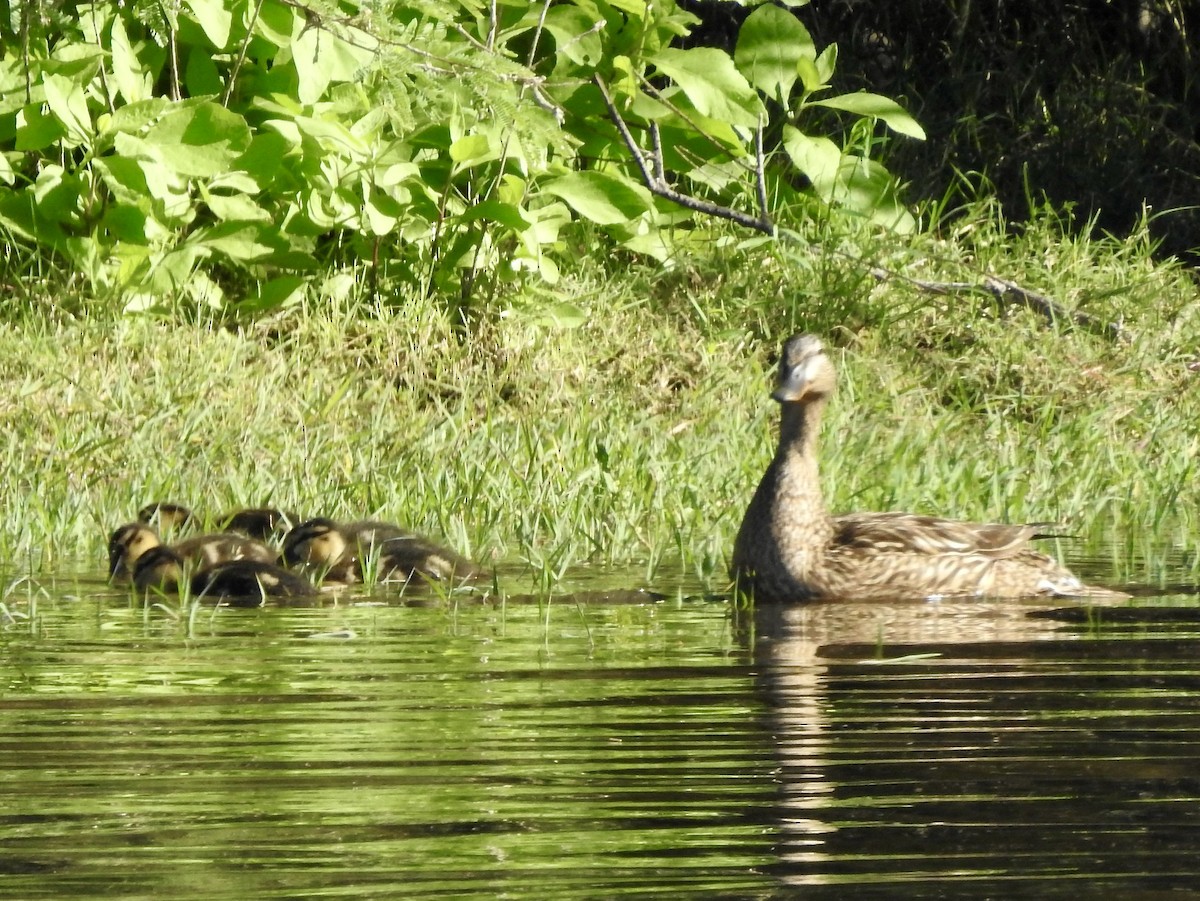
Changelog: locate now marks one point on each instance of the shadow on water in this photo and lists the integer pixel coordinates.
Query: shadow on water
(609, 742)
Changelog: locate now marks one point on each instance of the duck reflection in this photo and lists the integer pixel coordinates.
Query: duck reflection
(852, 691)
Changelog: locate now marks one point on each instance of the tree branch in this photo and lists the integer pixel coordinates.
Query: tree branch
(657, 184)
(1001, 289)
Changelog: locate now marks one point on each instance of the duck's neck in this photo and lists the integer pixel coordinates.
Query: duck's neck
(802, 525)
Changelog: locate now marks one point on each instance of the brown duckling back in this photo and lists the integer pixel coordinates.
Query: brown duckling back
(132, 540)
(262, 523)
(345, 552)
(167, 517)
(248, 583)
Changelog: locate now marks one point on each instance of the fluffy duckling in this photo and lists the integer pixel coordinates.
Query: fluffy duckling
(344, 552)
(250, 583)
(263, 523)
(790, 549)
(131, 541)
(166, 516)
(159, 568)
(240, 582)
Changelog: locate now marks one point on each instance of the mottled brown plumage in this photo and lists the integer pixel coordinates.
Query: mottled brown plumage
(166, 516)
(131, 541)
(347, 552)
(790, 549)
(240, 582)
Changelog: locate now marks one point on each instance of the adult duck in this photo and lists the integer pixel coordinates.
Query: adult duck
(790, 549)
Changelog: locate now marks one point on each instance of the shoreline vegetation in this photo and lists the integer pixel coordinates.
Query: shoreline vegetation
(516, 277)
(623, 421)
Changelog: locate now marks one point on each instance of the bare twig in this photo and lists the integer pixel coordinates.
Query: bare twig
(1002, 289)
(658, 185)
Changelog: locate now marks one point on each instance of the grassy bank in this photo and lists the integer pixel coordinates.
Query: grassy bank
(628, 427)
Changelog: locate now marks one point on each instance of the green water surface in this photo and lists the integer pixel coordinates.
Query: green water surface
(609, 745)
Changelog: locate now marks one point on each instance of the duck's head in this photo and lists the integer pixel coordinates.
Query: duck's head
(805, 373)
(161, 568)
(127, 545)
(166, 516)
(317, 542)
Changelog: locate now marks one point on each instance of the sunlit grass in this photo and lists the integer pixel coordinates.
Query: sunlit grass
(635, 438)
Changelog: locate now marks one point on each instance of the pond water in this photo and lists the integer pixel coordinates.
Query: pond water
(605, 745)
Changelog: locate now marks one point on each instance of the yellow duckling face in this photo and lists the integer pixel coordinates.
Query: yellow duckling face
(805, 373)
(127, 545)
(317, 542)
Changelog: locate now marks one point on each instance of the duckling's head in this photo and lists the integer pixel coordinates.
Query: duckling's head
(126, 546)
(161, 568)
(805, 373)
(260, 522)
(317, 542)
(166, 516)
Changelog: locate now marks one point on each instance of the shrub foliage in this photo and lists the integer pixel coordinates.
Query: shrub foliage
(229, 152)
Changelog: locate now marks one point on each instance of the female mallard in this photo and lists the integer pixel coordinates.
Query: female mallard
(790, 549)
(131, 541)
(348, 552)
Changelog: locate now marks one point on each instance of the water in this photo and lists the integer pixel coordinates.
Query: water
(603, 746)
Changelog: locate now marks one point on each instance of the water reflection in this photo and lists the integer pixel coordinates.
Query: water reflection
(491, 749)
(982, 749)
(612, 742)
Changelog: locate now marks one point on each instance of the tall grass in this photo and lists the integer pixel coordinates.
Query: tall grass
(636, 437)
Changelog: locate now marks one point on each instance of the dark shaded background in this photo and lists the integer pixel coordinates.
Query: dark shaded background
(1093, 106)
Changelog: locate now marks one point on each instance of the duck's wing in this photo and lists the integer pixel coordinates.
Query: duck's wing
(890, 533)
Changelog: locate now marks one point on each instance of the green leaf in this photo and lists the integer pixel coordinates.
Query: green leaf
(58, 194)
(199, 142)
(201, 74)
(866, 104)
(284, 291)
(576, 35)
(561, 315)
(472, 150)
(124, 177)
(770, 45)
(321, 57)
(67, 102)
(712, 83)
(37, 129)
(126, 223)
(505, 214)
(215, 18)
(602, 198)
(234, 207)
(818, 158)
(133, 80)
(826, 64)
(241, 241)
(870, 190)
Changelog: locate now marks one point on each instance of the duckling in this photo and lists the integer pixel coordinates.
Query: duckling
(159, 568)
(166, 516)
(129, 542)
(341, 552)
(262, 523)
(248, 583)
(243, 582)
(790, 549)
